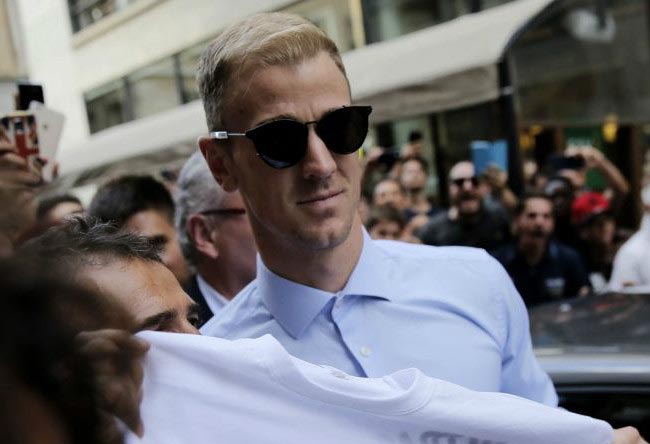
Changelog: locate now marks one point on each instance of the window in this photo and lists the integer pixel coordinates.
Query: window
(388, 19)
(107, 106)
(584, 63)
(154, 88)
(84, 13)
(188, 61)
(332, 16)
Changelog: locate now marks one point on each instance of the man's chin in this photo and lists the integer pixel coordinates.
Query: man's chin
(469, 207)
(325, 236)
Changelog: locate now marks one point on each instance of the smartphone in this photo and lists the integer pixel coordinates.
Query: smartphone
(28, 93)
(34, 133)
(567, 163)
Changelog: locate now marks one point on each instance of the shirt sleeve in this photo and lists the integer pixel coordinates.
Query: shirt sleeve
(521, 373)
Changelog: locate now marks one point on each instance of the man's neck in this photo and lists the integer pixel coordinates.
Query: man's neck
(326, 269)
(416, 198)
(532, 249)
(223, 278)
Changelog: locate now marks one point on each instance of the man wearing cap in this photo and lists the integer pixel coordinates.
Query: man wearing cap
(542, 269)
(591, 215)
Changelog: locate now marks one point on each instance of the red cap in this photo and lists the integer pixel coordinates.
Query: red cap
(588, 205)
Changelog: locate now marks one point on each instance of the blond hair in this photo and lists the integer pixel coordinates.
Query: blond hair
(256, 42)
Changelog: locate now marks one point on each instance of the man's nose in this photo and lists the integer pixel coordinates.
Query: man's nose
(318, 162)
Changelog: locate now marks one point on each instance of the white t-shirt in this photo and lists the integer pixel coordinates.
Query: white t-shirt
(204, 390)
(632, 262)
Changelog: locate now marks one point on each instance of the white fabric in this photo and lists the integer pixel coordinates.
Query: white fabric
(215, 300)
(204, 390)
(632, 262)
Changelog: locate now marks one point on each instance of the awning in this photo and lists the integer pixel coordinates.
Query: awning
(162, 131)
(447, 66)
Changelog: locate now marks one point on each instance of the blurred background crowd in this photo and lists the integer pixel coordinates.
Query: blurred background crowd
(518, 126)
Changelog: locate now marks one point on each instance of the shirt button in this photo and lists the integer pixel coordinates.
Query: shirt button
(365, 351)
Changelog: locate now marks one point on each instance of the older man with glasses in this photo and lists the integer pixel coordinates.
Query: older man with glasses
(471, 220)
(215, 237)
(284, 132)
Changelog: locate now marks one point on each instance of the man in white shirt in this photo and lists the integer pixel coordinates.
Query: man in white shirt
(632, 261)
(215, 237)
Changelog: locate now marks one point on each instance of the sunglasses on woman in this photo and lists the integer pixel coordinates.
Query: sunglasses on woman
(283, 143)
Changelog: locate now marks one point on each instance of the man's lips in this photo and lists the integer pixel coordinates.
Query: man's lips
(320, 197)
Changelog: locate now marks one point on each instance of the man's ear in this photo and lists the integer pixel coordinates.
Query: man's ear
(220, 162)
(202, 237)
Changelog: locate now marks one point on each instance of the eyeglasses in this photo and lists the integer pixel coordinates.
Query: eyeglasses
(460, 182)
(224, 211)
(282, 143)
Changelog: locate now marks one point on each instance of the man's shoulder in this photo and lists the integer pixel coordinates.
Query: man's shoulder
(426, 253)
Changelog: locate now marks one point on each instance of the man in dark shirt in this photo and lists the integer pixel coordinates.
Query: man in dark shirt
(542, 269)
(469, 221)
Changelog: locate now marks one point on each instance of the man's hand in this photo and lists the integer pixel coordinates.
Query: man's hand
(628, 435)
(14, 173)
(115, 356)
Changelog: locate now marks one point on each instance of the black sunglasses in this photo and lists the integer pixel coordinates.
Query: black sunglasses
(283, 143)
(461, 181)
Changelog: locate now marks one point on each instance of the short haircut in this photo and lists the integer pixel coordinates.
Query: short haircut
(118, 200)
(415, 135)
(42, 315)
(391, 180)
(46, 204)
(197, 191)
(419, 159)
(521, 205)
(258, 41)
(385, 213)
(85, 241)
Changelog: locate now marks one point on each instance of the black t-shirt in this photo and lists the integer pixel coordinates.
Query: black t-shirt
(490, 230)
(559, 275)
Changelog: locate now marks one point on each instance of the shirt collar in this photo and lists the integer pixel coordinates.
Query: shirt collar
(295, 306)
(215, 300)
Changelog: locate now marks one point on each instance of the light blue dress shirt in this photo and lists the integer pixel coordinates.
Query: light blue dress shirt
(452, 312)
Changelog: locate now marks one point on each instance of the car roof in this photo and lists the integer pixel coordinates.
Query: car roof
(614, 322)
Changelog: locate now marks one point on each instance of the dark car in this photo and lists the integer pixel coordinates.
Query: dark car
(597, 351)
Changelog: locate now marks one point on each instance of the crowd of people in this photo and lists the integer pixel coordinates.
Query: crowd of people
(558, 239)
(263, 234)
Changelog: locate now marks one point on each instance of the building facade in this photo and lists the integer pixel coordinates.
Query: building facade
(537, 73)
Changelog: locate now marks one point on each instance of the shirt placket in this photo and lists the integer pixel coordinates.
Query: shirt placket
(358, 349)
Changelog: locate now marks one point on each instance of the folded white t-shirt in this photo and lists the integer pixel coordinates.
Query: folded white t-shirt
(205, 390)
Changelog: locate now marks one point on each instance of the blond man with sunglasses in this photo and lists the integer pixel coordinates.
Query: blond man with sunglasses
(284, 132)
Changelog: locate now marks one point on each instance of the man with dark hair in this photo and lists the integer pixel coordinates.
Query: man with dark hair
(121, 265)
(215, 237)
(414, 172)
(51, 387)
(142, 205)
(542, 269)
(53, 210)
(385, 222)
(470, 221)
